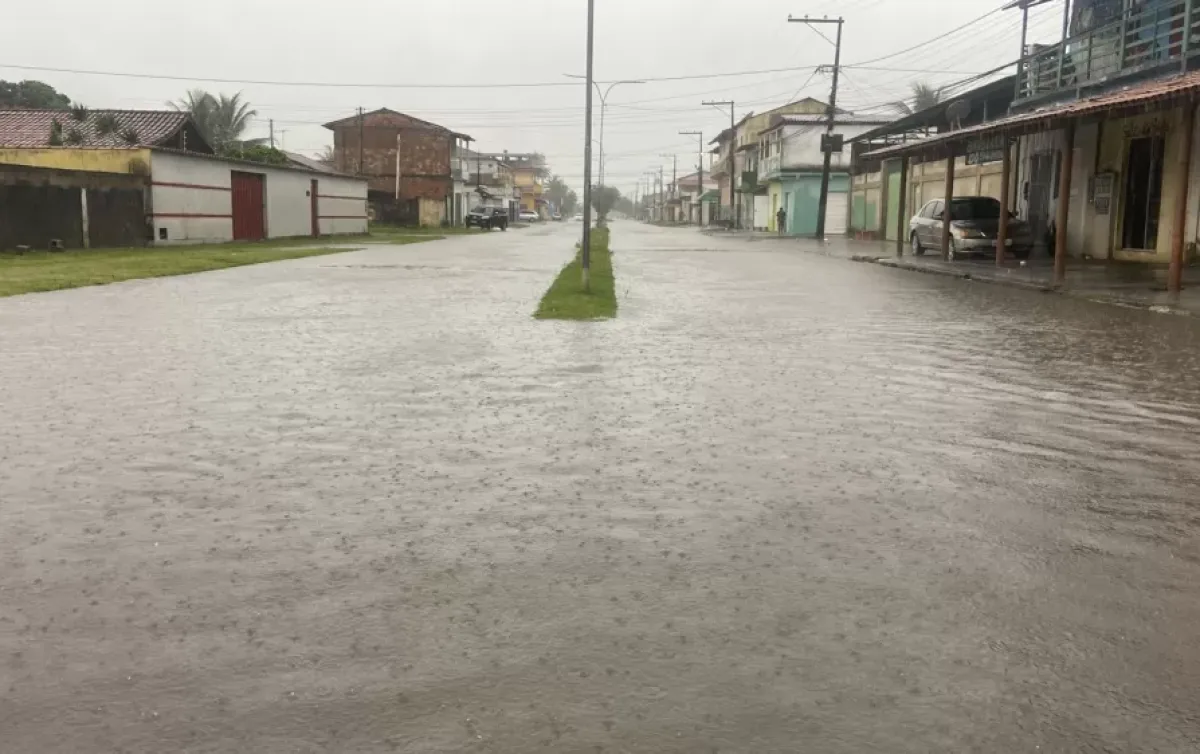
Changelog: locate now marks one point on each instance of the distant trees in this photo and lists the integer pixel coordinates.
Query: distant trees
(604, 199)
(221, 118)
(34, 95)
(562, 196)
(924, 96)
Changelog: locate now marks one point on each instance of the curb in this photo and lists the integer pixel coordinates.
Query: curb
(1020, 284)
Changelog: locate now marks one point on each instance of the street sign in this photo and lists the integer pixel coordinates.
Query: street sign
(833, 143)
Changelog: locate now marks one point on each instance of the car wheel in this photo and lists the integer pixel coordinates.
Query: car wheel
(917, 248)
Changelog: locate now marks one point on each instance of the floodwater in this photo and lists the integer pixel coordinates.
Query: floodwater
(784, 503)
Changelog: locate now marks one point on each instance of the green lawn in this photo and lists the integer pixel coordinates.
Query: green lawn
(51, 271)
(566, 298)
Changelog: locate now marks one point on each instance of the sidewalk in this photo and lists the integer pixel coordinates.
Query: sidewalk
(1126, 284)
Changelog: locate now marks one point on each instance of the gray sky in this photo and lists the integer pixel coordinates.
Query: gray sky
(436, 42)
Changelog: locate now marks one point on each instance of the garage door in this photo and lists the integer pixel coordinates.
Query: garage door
(835, 214)
(249, 222)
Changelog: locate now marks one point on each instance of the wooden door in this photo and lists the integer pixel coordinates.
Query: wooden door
(249, 216)
(316, 216)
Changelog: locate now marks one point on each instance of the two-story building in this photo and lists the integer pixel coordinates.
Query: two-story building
(529, 174)
(744, 197)
(1098, 148)
(689, 190)
(791, 166)
(406, 160)
(482, 181)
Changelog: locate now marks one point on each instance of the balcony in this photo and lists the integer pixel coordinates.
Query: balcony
(1145, 43)
(769, 168)
(720, 168)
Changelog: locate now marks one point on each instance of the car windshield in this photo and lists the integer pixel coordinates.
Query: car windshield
(479, 210)
(976, 208)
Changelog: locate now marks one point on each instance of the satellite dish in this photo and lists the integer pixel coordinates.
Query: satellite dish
(957, 112)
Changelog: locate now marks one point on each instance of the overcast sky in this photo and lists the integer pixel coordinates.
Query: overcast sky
(435, 43)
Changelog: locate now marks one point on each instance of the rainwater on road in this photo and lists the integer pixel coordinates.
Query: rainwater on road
(784, 503)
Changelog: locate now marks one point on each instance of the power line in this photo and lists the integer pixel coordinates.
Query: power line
(930, 41)
(360, 85)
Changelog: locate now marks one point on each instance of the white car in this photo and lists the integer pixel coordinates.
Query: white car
(529, 217)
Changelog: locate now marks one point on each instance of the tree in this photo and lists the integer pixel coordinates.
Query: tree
(604, 198)
(327, 156)
(924, 97)
(570, 204)
(33, 95)
(558, 192)
(221, 119)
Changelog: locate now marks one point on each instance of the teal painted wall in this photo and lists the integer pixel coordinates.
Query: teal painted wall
(805, 190)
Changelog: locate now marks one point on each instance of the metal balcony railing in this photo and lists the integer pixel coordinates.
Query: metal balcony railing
(1157, 37)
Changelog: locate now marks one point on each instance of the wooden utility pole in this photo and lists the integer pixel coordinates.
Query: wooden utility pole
(362, 132)
(901, 217)
(827, 143)
(272, 122)
(699, 175)
(734, 218)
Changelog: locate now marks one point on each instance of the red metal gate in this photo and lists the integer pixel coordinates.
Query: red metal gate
(249, 193)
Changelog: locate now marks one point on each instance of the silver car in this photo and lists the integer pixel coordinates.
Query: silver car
(974, 223)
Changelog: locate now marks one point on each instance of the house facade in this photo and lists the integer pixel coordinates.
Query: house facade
(689, 191)
(407, 162)
(482, 181)
(791, 166)
(529, 172)
(1098, 147)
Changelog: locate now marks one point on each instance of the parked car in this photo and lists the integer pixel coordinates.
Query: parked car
(556, 217)
(488, 218)
(529, 217)
(974, 223)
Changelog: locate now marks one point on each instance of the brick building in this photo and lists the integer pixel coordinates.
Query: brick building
(377, 144)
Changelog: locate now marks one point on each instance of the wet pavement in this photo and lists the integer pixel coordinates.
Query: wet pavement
(364, 503)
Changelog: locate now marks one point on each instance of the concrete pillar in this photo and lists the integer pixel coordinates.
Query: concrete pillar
(902, 215)
(948, 196)
(1175, 275)
(1064, 206)
(1005, 178)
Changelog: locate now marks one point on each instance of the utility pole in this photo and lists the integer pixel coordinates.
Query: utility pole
(674, 180)
(272, 122)
(362, 132)
(586, 250)
(827, 142)
(734, 213)
(700, 174)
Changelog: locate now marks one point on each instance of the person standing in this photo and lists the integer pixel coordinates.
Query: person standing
(781, 221)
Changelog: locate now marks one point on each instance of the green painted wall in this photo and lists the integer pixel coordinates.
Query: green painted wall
(805, 195)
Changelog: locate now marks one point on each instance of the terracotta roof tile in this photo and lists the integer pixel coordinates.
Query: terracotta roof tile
(1158, 91)
(31, 128)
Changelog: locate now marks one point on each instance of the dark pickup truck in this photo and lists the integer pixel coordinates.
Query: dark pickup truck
(488, 218)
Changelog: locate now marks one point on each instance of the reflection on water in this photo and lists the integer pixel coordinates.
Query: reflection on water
(783, 503)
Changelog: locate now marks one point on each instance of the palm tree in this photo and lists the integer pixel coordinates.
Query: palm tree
(924, 97)
(221, 119)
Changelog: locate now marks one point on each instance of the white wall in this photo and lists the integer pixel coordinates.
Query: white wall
(802, 144)
(192, 199)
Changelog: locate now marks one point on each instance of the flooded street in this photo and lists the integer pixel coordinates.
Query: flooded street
(365, 503)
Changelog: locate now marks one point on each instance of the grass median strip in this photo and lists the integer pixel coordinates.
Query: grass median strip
(566, 298)
(52, 271)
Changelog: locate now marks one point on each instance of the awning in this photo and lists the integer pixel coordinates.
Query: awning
(1130, 100)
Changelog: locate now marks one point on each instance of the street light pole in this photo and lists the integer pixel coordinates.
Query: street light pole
(586, 250)
(603, 94)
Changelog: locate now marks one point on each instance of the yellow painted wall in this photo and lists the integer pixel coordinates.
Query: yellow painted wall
(1114, 150)
(72, 158)
(775, 200)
